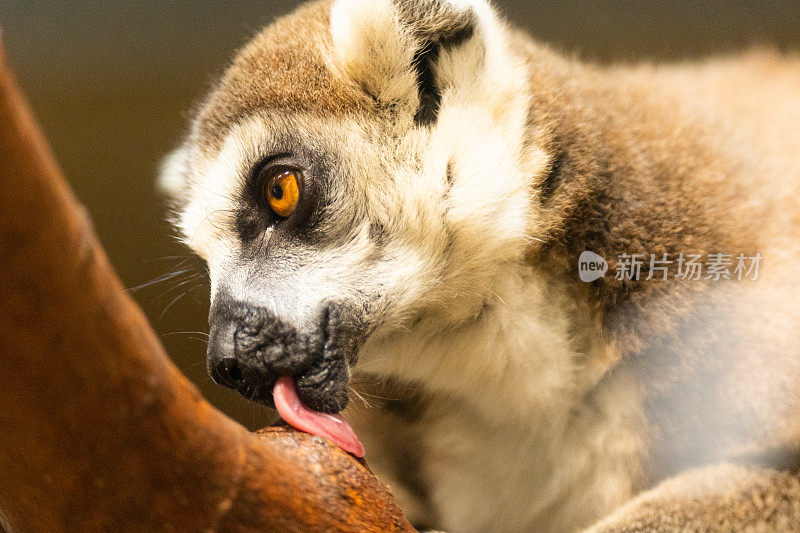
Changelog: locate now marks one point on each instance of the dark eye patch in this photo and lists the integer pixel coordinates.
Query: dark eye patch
(254, 214)
(330, 211)
(249, 223)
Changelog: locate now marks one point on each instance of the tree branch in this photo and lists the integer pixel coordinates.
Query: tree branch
(99, 430)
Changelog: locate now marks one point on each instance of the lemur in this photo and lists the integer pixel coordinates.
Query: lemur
(393, 196)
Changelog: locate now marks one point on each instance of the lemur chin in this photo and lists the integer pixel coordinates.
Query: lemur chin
(393, 197)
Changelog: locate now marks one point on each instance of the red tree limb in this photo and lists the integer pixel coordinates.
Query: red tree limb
(98, 429)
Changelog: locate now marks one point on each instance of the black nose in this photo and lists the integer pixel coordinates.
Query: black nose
(221, 357)
(226, 372)
(249, 348)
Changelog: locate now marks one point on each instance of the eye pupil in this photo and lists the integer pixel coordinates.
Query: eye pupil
(282, 192)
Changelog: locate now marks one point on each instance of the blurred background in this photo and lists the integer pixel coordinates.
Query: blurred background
(113, 84)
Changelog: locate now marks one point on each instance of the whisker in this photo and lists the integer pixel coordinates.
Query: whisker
(529, 238)
(160, 279)
(190, 279)
(203, 340)
(379, 397)
(173, 302)
(360, 397)
(185, 333)
(498, 297)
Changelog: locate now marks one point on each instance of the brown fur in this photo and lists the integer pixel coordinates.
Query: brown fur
(650, 169)
(717, 498)
(686, 159)
(281, 68)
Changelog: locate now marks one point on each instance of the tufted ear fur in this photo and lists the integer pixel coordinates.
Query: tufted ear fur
(174, 175)
(402, 52)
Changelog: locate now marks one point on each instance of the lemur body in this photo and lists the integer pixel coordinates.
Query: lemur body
(453, 172)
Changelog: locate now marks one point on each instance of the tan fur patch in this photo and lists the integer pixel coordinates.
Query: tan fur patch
(717, 498)
(284, 67)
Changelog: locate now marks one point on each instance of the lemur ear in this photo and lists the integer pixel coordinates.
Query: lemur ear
(173, 178)
(392, 48)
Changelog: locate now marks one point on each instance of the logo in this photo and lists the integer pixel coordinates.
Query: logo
(591, 266)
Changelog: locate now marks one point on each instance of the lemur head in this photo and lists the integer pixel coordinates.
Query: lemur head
(355, 171)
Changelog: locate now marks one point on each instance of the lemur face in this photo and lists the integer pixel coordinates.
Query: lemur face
(353, 173)
(296, 291)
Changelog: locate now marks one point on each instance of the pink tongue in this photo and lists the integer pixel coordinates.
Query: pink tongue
(298, 415)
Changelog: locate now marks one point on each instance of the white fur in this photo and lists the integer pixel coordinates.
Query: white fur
(513, 445)
(505, 448)
(373, 50)
(174, 173)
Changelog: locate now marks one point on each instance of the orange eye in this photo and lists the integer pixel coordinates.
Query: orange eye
(283, 193)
